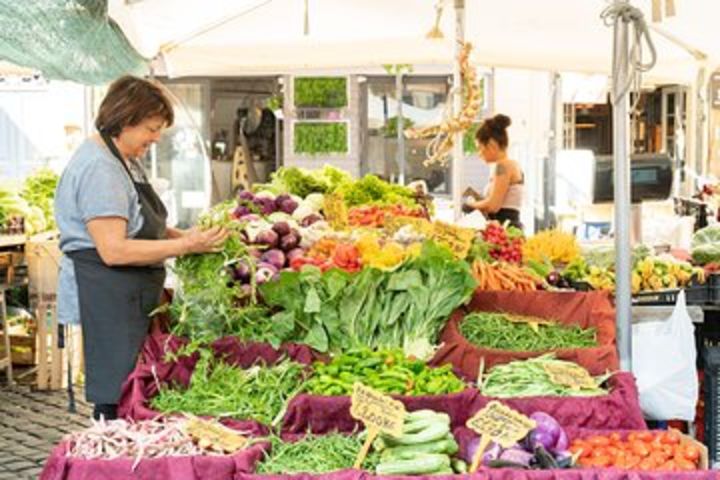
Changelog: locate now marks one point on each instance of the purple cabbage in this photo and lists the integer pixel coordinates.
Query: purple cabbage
(310, 219)
(246, 195)
(274, 257)
(268, 237)
(281, 228)
(290, 241)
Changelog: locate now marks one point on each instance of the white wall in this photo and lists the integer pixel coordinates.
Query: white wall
(524, 95)
(40, 124)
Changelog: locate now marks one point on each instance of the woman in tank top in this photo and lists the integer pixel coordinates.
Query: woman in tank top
(504, 194)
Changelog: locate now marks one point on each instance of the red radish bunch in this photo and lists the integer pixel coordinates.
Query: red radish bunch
(503, 247)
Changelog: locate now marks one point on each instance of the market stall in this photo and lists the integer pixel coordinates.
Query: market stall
(330, 284)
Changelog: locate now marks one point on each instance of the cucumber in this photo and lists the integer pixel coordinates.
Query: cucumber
(427, 463)
(435, 431)
(425, 413)
(443, 471)
(419, 424)
(446, 445)
(459, 465)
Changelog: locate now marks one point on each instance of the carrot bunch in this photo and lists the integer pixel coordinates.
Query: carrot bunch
(375, 215)
(639, 451)
(503, 276)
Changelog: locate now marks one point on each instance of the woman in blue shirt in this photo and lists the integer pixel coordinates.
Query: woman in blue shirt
(114, 236)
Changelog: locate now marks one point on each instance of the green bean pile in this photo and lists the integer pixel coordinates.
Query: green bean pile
(496, 330)
(528, 378)
(217, 389)
(315, 454)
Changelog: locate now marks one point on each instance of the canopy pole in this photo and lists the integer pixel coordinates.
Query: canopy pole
(400, 124)
(457, 153)
(621, 147)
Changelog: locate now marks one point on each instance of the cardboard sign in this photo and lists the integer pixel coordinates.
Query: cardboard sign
(378, 412)
(500, 424)
(573, 376)
(214, 435)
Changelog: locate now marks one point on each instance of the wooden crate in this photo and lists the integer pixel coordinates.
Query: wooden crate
(52, 361)
(23, 349)
(42, 255)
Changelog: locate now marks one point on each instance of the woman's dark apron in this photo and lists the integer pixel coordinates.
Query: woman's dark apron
(509, 215)
(115, 302)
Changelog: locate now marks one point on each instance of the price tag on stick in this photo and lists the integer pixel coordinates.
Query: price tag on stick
(379, 413)
(573, 376)
(500, 424)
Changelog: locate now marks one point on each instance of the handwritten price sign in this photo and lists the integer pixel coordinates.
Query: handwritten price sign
(573, 376)
(378, 412)
(500, 424)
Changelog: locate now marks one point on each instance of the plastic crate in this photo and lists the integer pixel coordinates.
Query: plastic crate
(711, 356)
(713, 285)
(694, 295)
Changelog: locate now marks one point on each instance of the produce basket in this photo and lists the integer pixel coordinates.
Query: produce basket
(154, 368)
(694, 295)
(585, 309)
(60, 467)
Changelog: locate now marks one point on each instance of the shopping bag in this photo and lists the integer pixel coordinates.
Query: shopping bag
(663, 361)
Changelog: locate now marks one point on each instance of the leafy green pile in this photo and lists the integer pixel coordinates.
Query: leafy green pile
(301, 182)
(206, 306)
(39, 191)
(315, 454)
(498, 330)
(370, 190)
(706, 245)
(13, 206)
(217, 389)
(388, 371)
(404, 308)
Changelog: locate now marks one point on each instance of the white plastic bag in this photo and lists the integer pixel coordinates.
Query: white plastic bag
(663, 361)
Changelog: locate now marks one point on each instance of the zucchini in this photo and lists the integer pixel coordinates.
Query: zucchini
(427, 463)
(419, 424)
(446, 445)
(435, 431)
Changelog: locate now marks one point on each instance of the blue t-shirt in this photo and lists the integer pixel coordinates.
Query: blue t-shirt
(94, 184)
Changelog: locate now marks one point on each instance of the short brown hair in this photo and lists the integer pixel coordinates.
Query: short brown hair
(494, 128)
(129, 101)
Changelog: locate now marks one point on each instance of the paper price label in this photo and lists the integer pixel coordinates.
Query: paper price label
(501, 424)
(377, 411)
(573, 376)
(498, 423)
(216, 436)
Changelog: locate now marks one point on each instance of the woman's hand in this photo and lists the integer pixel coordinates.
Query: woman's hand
(203, 241)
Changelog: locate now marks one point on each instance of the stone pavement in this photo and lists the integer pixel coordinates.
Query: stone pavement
(31, 424)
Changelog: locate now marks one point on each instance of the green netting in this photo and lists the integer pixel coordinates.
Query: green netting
(67, 40)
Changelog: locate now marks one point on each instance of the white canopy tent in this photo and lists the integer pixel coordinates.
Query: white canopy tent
(249, 37)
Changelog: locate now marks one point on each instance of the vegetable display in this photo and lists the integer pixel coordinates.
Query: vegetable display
(504, 276)
(645, 450)
(39, 191)
(405, 307)
(314, 454)
(659, 273)
(108, 440)
(553, 246)
(506, 331)
(259, 393)
(529, 378)
(425, 447)
(545, 447)
(387, 371)
(706, 245)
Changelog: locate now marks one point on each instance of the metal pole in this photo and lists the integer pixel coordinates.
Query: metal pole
(554, 145)
(457, 155)
(621, 147)
(400, 154)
